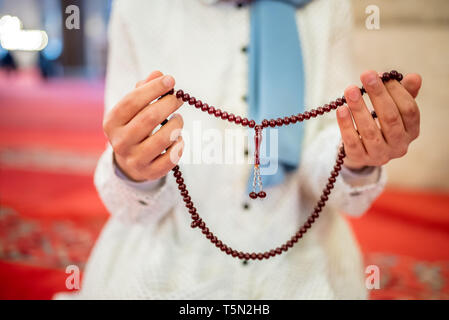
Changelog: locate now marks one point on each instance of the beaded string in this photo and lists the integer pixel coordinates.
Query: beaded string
(197, 221)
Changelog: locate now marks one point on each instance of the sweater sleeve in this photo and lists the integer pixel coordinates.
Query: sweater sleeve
(121, 198)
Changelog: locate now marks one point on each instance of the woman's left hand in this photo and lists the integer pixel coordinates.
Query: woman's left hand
(365, 143)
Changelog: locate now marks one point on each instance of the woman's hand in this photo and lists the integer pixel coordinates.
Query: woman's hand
(130, 123)
(365, 143)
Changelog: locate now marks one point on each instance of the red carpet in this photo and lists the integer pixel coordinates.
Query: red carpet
(50, 214)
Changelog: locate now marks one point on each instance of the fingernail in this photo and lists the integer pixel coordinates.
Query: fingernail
(343, 111)
(353, 94)
(168, 81)
(371, 79)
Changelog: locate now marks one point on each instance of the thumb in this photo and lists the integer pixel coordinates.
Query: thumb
(412, 83)
(153, 75)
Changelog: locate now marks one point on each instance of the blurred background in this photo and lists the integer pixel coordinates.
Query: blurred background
(51, 105)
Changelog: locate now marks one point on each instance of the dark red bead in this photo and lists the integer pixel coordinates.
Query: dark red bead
(179, 180)
(228, 250)
(327, 108)
(333, 105)
(189, 205)
(326, 192)
(179, 94)
(184, 193)
(279, 122)
(198, 104)
(293, 119)
(192, 210)
(339, 102)
(253, 195)
(252, 123)
(306, 115)
(234, 253)
(231, 117)
(272, 253)
(266, 255)
(393, 74)
(246, 256)
(192, 101)
(286, 120)
(265, 123)
(320, 110)
(332, 179)
(241, 255)
(284, 247)
(238, 120)
(214, 239)
(182, 187)
(303, 230)
(260, 256)
(205, 107)
(211, 110)
(195, 216)
(278, 250)
(330, 185)
(194, 224)
(224, 115)
(343, 99)
(300, 117)
(272, 123)
(177, 174)
(262, 194)
(218, 113)
(289, 243)
(307, 225)
(324, 198)
(186, 97)
(313, 113)
(187, 199)
(245, 122)
(400, 77)
(205, 230)
(311, 220)
(253, 255)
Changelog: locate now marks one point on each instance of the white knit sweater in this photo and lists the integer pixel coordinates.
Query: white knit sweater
(147, 249)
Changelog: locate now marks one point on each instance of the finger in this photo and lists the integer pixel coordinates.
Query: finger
(143, 124)
(160, 166)
(412, 82)
(387, 112)
(407, 107)
(370, 133)
(353, 145)
(138, 99)
(154, 145)
(153, 75)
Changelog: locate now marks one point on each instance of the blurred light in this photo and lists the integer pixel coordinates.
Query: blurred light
(13, 37)
(53, 50)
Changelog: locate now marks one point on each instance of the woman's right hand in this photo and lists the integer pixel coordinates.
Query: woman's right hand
(129, 126)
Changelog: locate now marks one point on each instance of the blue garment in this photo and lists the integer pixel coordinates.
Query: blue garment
(276, 81)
